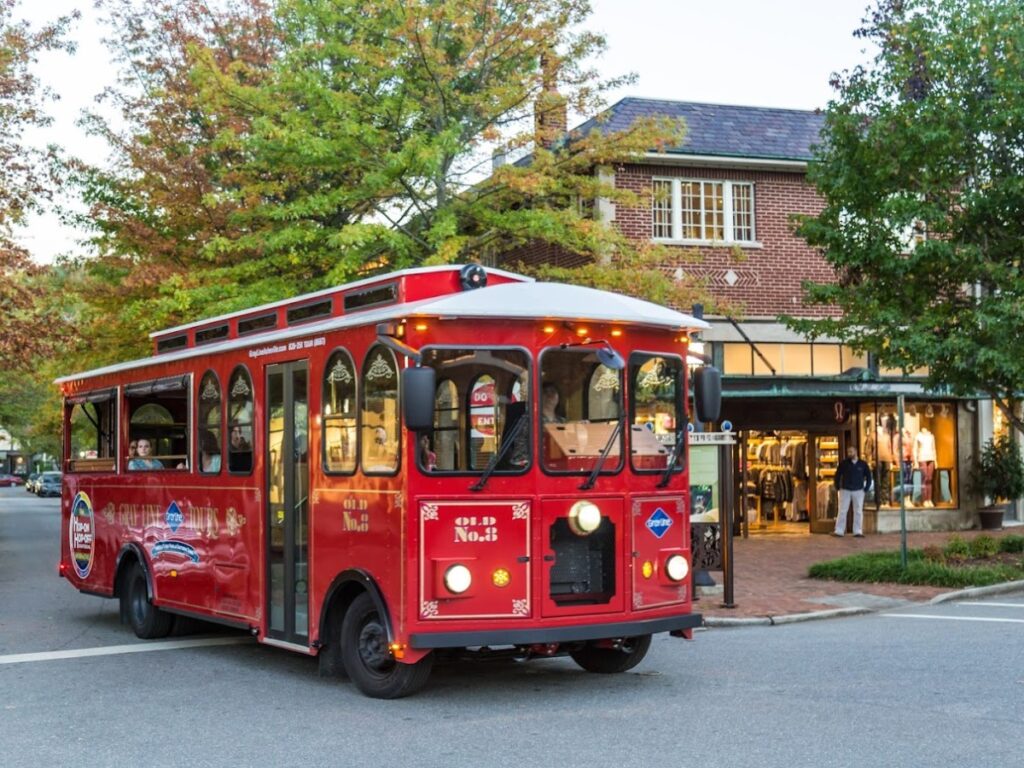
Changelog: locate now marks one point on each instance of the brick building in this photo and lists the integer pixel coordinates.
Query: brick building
(728, 194)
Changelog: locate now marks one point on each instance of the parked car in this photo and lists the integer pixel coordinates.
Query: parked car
(7, 481)
(48, 484)
(30, 483)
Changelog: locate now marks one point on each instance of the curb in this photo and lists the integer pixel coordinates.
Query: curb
(790, 618)
(995, 589)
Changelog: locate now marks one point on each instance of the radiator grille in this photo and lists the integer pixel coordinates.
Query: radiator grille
(584, 569)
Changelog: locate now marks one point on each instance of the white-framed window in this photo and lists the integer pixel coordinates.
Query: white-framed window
(702, 210)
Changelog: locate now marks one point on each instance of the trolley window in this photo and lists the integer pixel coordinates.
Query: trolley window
(158, 423)
(92, 430)
(240, 414)
(339, 414)
(212, 334)
(381, 433)
(210, 424)
(481, 412)
(581, 408)
(656, 412)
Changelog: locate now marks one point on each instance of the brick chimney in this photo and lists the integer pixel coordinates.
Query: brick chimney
(550, 113)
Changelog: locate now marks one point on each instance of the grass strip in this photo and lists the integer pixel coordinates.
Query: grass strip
(885, 567)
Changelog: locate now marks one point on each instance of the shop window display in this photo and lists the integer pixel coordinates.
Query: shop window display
(778, 476)
(920, 463)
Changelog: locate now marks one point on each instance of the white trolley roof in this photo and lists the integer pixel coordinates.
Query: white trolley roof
(517, 301)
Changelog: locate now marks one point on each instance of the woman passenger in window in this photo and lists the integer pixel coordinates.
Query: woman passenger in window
(210, 453)
(144, 459)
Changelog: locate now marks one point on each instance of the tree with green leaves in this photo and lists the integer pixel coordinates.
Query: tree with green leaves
(274, 150)
(29, 326)
(153, 212)
(921, 170)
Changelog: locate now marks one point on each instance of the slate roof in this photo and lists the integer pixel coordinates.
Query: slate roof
(721, 129)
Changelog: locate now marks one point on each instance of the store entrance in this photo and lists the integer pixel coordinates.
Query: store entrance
(789, 480)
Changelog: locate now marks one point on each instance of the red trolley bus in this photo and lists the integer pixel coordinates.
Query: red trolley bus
(439, 458)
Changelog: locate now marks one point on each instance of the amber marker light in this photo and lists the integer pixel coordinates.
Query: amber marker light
(548, 329)
(501, 577)
(616, 331)
(421, 326)
(397, 650)
(648, 569)
(582, 331)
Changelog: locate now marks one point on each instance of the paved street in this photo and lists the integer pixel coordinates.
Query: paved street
(918, 686)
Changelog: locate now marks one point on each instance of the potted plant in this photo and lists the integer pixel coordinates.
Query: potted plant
(998, 477)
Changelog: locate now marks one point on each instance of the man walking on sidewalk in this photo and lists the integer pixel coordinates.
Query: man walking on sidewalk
(853, 477)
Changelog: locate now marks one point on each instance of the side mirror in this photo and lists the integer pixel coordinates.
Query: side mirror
(418, 385)
(707, 393)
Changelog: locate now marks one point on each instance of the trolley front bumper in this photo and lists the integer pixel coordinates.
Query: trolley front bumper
(553, 634)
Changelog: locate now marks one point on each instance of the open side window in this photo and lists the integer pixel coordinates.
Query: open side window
(90, 421)
(158, 428)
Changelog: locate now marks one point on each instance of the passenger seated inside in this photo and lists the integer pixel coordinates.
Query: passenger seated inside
(549, 404)
(517, 455)
(428, 459)
(144, 456)
(240, 450)
(209, 454)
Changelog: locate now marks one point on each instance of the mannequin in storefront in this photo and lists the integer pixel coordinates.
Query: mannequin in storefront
(887, 448)
(924, 458)
(853, 478)
(907, 463)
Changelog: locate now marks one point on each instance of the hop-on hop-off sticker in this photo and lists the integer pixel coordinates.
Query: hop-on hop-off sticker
(82, 534)
(659, 522)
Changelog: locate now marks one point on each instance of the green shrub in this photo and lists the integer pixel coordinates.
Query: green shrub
(957, 548)
(885, 567)
(933, 553)
(1011, 543)
(983, 546)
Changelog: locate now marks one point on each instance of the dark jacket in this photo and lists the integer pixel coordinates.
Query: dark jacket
(853, 475)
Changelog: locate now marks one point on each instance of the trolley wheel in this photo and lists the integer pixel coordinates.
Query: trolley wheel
(610, 661)
(367, 659)
(146, 620)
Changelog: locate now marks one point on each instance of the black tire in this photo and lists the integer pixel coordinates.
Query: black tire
(146, 620)
(611, 661)
(367, 660)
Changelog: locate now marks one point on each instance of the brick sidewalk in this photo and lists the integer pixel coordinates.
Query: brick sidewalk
(771, 574)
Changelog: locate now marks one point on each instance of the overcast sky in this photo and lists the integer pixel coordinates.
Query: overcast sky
(772, 53)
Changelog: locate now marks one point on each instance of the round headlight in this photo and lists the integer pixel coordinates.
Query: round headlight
(584, 518)
(457, 579)
(676, 567)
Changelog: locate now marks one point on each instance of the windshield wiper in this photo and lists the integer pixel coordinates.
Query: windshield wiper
(672, 459)
(604, 455)
(507, 443)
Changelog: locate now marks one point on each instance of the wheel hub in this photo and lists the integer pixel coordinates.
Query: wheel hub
(373, 647)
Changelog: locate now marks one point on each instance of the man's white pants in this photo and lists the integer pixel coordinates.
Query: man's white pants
(846, 498)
